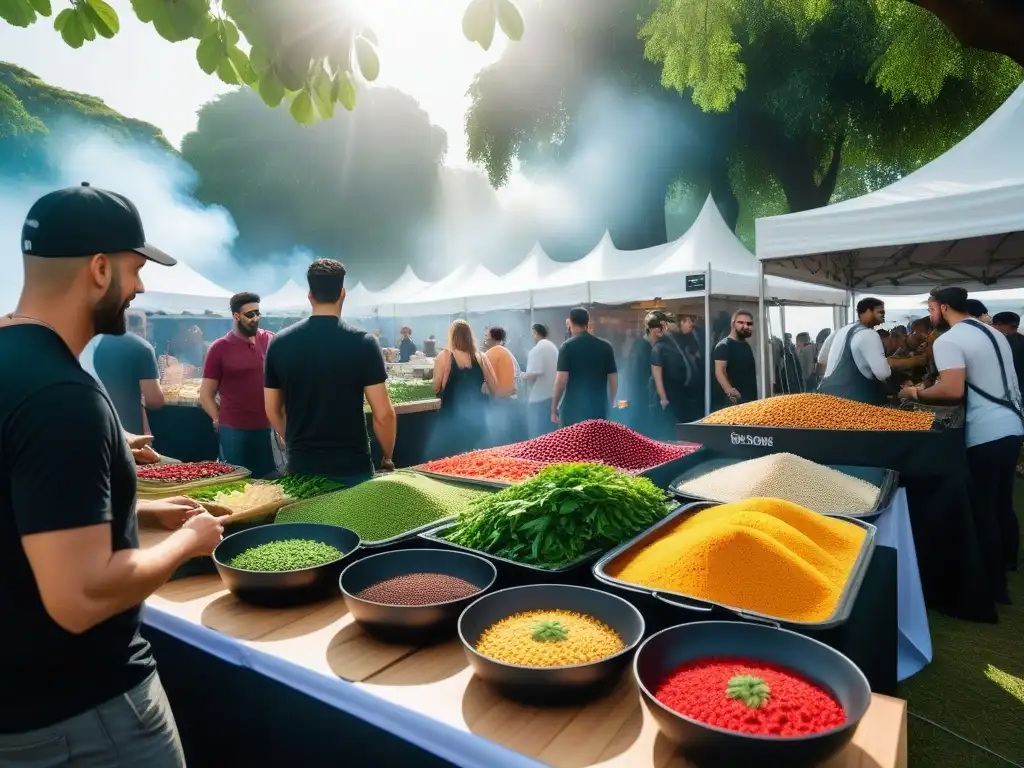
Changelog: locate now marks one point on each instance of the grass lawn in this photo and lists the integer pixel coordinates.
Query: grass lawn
(974, 688)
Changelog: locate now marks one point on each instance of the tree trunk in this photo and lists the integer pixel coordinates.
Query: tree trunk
(795, 166)
(990, 25)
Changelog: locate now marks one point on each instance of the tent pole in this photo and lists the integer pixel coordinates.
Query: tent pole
(762, 321)
(707, 341)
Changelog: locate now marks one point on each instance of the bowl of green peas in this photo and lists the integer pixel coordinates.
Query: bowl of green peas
(284, 564)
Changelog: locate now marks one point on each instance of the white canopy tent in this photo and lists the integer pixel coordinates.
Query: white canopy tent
(448, 296)
(180, 289)
(383, 301)
(290, 297)
(959, 219)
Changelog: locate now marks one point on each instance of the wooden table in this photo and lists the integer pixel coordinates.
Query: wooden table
(615, 732)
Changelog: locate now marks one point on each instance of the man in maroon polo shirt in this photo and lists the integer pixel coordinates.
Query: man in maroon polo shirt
(234, 370)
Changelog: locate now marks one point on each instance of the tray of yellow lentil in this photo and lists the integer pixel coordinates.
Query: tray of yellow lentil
(763, 560)
(861, 492)
(832, 431)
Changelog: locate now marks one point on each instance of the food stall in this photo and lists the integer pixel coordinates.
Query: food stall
(327, 674)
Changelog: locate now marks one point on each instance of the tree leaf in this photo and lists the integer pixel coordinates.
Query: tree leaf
(369, 61)
(145, 10)
(323, 94)
(42, 7)
(302, 108)
(511, 19)
(181, 19)
(62, 19)
(210, 51)
(370, 35)
(270, 89)
(478, 22)
(18, 13)
(241, 64)
(72, 31)
(228, 31)
(227, 73)
(347, 95)
(259, 59)
(85, 20)
(103, 17)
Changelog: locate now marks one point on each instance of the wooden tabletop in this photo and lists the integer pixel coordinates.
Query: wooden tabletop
(615, 732)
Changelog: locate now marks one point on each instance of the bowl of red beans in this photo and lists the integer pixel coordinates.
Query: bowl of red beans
(727, 692)
(414, 596)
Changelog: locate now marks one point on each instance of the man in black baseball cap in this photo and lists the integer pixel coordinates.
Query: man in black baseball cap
(78, 682)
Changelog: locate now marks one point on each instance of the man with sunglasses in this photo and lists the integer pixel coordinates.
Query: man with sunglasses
(234, 370)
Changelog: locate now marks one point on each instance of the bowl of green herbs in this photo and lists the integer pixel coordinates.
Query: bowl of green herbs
(557, 522)
(284, 564)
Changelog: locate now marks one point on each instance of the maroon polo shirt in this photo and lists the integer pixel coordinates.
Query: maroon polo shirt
(237, 365)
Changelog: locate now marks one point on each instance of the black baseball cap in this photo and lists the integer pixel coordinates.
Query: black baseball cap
(83, 221)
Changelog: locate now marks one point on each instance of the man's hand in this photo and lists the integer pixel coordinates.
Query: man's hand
(554, 416)
(664, 403)
(138, 442)
(909, 392)
(207, 533)
(387, 465)
(216, 426)
(171, 513)
(145, 455)
(734, 394)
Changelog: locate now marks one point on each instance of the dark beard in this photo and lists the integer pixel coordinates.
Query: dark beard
(744, 334)
(245, 330)
(108, 316)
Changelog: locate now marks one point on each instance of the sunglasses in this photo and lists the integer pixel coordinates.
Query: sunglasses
(252, 313)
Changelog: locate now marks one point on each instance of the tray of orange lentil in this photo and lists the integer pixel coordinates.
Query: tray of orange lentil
(831, 430)
(763, 560)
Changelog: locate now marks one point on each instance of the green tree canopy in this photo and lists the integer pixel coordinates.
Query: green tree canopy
(356, 187)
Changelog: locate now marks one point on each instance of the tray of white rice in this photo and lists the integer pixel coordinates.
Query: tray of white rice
(830, 490)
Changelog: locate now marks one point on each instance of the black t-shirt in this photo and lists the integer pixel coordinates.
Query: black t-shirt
(1017, 347)
(588, 360)
(667, 354)
(121, 362)
(740, 369)
(65, 464)
(322, 365)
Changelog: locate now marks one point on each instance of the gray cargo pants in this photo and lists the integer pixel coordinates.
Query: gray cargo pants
(134, 729)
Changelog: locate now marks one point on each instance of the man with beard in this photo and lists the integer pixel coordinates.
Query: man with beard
(735, 369)
(76, 676)
(854, 358)
(976, 362)
(318, 373)
(234, 370)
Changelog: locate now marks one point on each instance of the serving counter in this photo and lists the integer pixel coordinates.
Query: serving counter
(306, 684)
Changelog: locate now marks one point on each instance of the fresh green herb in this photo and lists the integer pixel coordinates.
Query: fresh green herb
(209, 492)
(408, 391)
(550, 631)
(561, 514)
(286, 555)
(307, 486)
(752, 691)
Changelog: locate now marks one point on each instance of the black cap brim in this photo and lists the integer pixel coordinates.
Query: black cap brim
(155, 254)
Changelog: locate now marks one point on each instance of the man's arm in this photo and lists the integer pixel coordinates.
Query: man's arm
(561, 381)
(66, 536)
(952, 384)
(149, 376)
(385, 423)
(152, 394)
(613, 372)
(870, 347)
(722, 377)
(273, 401)
(824, 352)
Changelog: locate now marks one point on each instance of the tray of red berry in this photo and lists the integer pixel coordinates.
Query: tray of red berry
(188, 473)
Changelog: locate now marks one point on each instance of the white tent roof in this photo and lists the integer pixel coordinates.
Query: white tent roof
(959, 219)
(358, 296)
(407, 285)
(180, 289)
(289, 297)
(448, 296)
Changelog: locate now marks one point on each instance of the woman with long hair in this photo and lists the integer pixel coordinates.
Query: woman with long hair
(462, 377)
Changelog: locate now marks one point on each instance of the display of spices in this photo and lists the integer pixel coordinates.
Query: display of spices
(764, 555)
(307, 486)
(788, 477)
(286, 555)
(549, 638)
(750, 697)
(186, 472)
(386, 506)
(814, 411)
(418, 589)
(483, 465)
(600, 442)
(560, 514)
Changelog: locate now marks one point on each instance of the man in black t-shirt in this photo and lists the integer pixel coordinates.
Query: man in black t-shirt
(75, 675)
(1008, 323)
(674, 379)
(735, 372)
(587, 376)
(317, 373)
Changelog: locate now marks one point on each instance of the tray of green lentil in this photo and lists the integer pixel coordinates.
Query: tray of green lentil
(388, 510)
(831, 489)
(553, 526)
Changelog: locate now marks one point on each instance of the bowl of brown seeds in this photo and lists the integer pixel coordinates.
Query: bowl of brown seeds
(414, 596)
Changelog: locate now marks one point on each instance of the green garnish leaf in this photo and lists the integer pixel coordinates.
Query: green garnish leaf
(552, 631)
(752, 691)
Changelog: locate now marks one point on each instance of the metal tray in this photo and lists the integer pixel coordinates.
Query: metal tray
(511, 572)
(705, 461)
(491, 484)
(708, 608)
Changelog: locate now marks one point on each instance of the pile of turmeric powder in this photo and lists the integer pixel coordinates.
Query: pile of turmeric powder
(764, 555)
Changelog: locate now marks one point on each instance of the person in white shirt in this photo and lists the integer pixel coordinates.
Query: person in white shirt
(854, 358)
(541, 369)
(976, 362)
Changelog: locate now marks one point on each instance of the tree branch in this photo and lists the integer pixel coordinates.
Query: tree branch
(985, 24)
(828, 181)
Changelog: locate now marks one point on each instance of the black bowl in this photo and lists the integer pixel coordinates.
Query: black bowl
(709, 746)
(413, 624)
(276, 588)
(551, 686)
